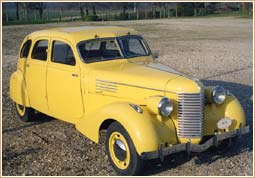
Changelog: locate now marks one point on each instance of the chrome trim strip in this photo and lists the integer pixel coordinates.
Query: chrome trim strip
(105, 87)
(98, 90)
(105, 84)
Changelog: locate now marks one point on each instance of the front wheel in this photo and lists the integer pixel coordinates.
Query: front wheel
(25, 113)
(121, 151)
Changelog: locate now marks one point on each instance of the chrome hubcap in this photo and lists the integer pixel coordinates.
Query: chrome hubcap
(120, 150)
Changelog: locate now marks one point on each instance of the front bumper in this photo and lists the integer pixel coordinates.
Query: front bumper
(214, 141)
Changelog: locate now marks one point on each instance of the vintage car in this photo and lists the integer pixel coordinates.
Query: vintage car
(106, 77)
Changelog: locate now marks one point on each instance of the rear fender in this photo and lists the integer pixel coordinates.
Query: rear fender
(18, 89)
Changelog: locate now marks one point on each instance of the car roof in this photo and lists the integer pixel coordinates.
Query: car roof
(82, 33)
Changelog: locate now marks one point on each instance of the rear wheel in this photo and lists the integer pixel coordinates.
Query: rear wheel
(25, 113)
(121, 151)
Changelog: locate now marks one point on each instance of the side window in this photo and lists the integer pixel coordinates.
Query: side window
(62, 53)
(40, 50)
(25, 49)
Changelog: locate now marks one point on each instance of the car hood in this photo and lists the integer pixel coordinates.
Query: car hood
(124, 77)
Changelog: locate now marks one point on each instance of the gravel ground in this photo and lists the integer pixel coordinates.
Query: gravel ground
(216, 50)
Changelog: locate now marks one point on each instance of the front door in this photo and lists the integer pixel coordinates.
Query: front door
(35, 74)
(63, 82)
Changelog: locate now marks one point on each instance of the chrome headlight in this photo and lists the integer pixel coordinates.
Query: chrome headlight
(218, 95)
(165, 107)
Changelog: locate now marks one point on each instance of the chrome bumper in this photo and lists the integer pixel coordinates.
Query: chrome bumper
(194, 147)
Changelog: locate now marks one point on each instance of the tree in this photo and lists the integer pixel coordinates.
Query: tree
(124, 7)
(5, 15)
(39, 6)
(94, 10)
(246, 7)
(195, 8)
(17, 10)
(81, 10)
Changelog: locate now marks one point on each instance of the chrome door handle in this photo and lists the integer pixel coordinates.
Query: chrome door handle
(75, 75)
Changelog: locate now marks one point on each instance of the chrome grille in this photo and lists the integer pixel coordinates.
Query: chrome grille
(190, 114)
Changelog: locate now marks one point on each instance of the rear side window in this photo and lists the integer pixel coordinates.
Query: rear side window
(25, 49)
(40, 50)
(62, 53)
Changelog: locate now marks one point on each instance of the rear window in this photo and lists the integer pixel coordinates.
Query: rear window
(25, 49)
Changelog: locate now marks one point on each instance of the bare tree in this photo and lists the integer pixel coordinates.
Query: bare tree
(195, 8)
(176, 9)
(6, 18)
(39, 6)
(17, 10)
(81, 10)
(94, 10)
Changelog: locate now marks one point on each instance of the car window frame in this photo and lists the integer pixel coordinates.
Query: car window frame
(144, 44)
(33, 45)
(22, 48)
(116, 39)
(65, 42)
(99, 60)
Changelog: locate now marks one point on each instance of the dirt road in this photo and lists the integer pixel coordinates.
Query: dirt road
(216, 50)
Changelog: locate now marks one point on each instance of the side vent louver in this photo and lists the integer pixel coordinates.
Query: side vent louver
(106, 86)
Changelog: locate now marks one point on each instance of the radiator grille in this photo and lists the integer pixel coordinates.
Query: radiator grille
(190, 115)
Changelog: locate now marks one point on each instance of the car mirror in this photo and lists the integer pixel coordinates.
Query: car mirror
(155, 55)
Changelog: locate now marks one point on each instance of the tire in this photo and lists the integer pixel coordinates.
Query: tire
(125, 163)
(25, 114)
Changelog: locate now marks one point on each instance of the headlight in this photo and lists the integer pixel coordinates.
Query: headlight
(218, 95)
(165, 107)
(160, 105)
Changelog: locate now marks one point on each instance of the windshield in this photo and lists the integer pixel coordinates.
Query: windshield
(112, 48)
(133, 46)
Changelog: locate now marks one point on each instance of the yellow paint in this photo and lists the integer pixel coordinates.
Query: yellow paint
(18, 89)
(63, 89)
(140, 126)
(152, 103)
(231, 108)
(52, 89)
(21, 109)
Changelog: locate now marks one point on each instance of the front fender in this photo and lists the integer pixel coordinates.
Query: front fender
(18, 89)
(231, 108)
(145, 129)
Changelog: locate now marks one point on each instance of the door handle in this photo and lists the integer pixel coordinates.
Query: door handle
(75, 75)
(27, 65)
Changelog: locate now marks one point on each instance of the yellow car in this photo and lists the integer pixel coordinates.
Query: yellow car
(107, 78)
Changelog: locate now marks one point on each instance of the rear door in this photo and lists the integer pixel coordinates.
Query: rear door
(63, 82)
(35, 74)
